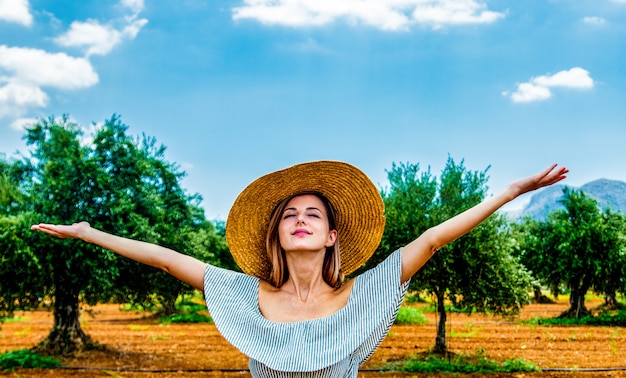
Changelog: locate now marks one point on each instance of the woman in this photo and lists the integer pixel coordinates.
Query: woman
(296, 233)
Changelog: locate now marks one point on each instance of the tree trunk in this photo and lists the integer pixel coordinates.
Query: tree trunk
(610, 302)
(577, 304)
(440, 341)
(168, 307)
(66, 336)
(539, 297)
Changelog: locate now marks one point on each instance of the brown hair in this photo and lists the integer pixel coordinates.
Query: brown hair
(279, 274)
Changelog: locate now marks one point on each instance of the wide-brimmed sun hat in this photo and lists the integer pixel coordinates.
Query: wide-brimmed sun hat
(359, 213)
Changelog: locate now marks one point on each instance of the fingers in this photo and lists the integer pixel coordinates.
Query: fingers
(558, 174)
(42, 227)
(551, 175)
(52, 229)
(38, 227)
(547, 177)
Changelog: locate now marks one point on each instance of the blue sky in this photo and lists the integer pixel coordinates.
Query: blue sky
(236, 89)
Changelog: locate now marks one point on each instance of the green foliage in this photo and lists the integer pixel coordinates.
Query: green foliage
(19, 263)
(120, 184)
(189, 306)
(22, 282)
(193, 317)
(466, 364)
(617, 320)
(580, 247)
(477, 269)
(408, 206)
(138, 307)
(12, 199)
(414, 297)
(208, 243)
(26, 359)
(187, 311)
(410, 316)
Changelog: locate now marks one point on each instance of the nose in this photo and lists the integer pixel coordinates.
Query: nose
(300, 219)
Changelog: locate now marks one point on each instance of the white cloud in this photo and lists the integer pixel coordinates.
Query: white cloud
(16, 11)
(573, 78)
(21, 123)
(528, 92)
(382, 14)
(24, 71)
(538, 88)
(135, 6)
(98, 39)
(42, 68)
(594, 20)
(438, 13)
(16, 97)
(132, 29)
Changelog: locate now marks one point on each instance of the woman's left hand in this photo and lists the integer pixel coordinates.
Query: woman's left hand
(548, 177)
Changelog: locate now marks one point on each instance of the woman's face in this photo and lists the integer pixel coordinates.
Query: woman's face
(304, 225)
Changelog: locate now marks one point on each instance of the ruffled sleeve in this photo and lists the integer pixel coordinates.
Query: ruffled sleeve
(353, 332)
(380, 294)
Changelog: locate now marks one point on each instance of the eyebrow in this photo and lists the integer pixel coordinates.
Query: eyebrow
(306, 209)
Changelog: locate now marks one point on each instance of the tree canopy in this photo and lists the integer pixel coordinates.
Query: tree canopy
(580, 247)
(476, 271)
(120, 184)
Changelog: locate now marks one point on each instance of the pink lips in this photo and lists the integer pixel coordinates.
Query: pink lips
(300, 232)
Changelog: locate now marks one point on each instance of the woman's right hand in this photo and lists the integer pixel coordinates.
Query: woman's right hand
(74, 231)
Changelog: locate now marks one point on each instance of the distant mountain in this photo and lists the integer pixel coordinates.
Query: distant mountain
(610, 194)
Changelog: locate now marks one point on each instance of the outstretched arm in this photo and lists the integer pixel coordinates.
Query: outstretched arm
(416, 253)
(183, 267)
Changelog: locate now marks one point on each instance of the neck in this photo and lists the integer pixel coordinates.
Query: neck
(305, 275)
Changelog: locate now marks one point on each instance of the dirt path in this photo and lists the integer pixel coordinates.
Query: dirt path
(143, 348)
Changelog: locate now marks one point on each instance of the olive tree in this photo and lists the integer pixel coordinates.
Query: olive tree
(580, 247)
(475, 272)
(121, 184)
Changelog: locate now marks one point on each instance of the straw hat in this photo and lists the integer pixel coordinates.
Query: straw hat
(358, 204)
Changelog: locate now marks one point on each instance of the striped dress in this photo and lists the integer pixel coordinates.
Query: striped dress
(333, 346)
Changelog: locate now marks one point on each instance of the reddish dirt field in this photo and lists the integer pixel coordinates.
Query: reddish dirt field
(139, 347)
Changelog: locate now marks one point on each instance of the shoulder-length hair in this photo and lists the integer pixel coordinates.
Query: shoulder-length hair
(279, 274)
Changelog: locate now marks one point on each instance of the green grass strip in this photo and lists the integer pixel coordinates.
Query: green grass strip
(410, 316)
(463, 364)
(616, 320)
(26, 359)
(193, 317)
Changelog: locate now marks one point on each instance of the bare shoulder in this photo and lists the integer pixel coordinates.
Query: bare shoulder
(266, 288)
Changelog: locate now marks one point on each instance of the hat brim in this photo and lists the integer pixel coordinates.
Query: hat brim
(359, 213)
